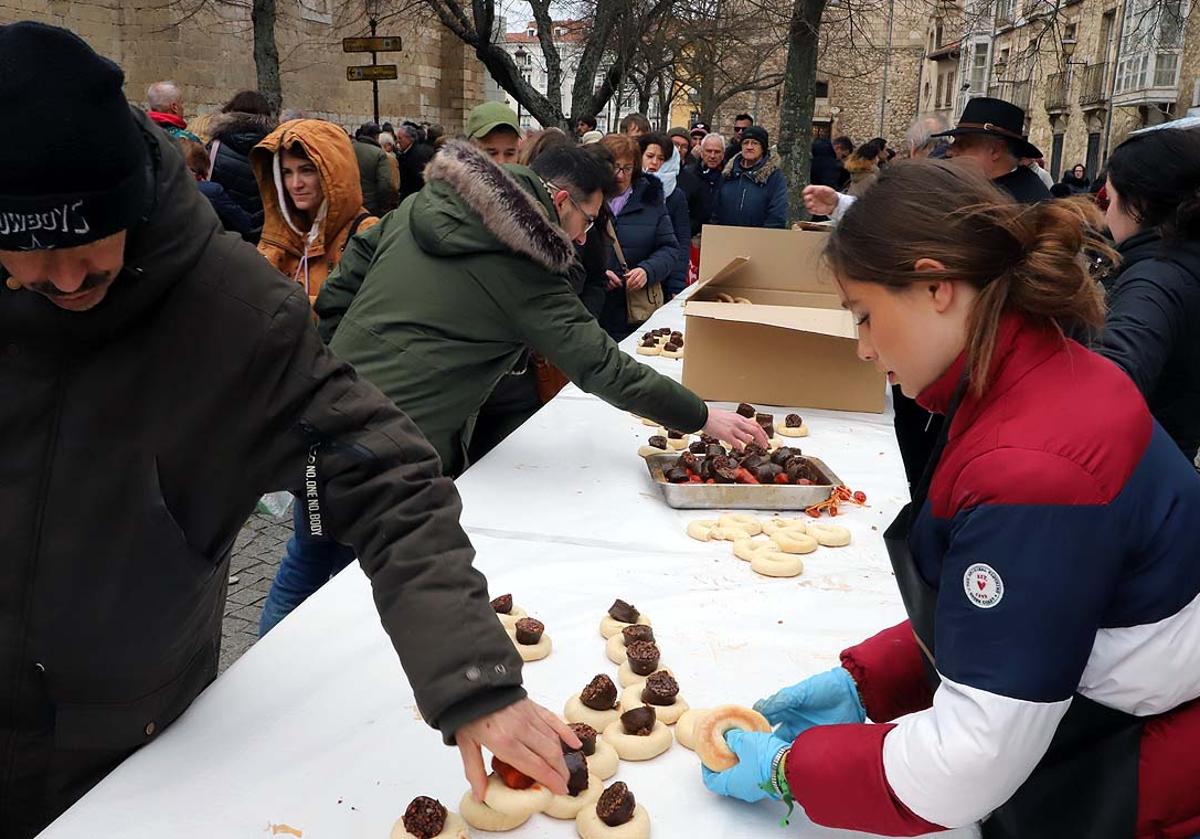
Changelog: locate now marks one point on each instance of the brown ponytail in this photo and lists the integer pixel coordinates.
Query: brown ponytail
(1033, 260)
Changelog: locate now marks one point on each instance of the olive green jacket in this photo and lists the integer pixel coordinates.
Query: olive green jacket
(437, 302)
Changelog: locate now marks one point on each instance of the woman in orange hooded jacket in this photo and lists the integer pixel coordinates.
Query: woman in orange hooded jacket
(312, 201)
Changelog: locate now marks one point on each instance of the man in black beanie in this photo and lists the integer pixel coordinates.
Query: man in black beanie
(157, 376)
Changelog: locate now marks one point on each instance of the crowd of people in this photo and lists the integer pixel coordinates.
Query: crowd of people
(189, 320)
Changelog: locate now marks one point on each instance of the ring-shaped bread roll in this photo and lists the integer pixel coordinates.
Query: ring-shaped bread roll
(729, 533)
(743, 301)
(679, 444)
(774, 563)
(510, 620)
(631, 698)
(777, 524)
(576, 711)
(672, 353)
(655, 350)
(627, 677)
(533, 652)
(569, 806)
(685, 727)
(499, 797)
(650, 422)
(615, 648)
(610, 627)
(802, 431)
(745, 548)
(830, 535)
(589, 826)
(701, 529)
(604, 762)
(743, 521)
(714, 752)
(723, 297)
(650, 451)
(794, 542)
(454, 828)
(512, 812)
(638, 747)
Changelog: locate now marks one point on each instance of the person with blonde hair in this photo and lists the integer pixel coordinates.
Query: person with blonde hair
(1048, 675)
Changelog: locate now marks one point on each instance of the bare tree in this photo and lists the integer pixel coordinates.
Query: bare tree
(613, 34)
(266, 51)
(796, 110)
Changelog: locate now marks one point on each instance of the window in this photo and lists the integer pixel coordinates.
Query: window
(822, 90)
(937, 102)
(1069, 31)
(316, 11)
(1093, 153)
(1005, 11)
(1056, 153)
(938, 33)
(950, 79)
(1166, 70)
(979, 70)
(1107, 28)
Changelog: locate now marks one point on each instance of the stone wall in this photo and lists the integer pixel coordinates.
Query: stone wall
(210, 54)
(852, 61)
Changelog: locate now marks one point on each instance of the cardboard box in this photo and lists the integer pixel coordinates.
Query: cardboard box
(793, 345)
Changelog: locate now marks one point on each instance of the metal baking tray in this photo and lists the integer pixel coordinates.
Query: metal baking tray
(741, 496)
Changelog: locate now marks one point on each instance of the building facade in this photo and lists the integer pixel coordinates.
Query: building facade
(1086, 72)
(210, 55)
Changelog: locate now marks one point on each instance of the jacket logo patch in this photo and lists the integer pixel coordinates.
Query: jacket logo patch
(983, 585)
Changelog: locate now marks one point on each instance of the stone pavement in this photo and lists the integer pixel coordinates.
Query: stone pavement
(256, 555)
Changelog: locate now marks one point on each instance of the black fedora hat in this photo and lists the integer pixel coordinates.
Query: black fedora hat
(985, 115)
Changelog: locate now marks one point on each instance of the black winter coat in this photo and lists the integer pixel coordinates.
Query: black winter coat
(136, 439)
(236, 134)
(677, 208)
(693, 189)
(412, 167)
(233, 217)
(647, 237)
(710, 191)
(1150, 332)
(826, 169)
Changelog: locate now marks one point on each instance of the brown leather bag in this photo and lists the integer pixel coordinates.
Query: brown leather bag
(640, 304)
(550, 380)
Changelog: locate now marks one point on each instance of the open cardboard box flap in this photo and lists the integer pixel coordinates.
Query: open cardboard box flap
(836, 323)
(735, 351)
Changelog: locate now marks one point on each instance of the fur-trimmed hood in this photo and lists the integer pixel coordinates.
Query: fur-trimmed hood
(856, 165)
(238, 129)
(470, 205)
(759, 173)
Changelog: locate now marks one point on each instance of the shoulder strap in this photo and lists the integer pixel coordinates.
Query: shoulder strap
(354, 225)
(616, 243)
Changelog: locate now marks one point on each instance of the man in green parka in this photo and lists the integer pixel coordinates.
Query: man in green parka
(435, 303)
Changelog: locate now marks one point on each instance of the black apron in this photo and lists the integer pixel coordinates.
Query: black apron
(1086, 785)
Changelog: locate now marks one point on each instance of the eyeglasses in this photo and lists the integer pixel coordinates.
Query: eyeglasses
(591, 219)
(624, 170)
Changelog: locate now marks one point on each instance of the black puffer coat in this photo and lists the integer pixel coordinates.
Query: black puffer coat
(1150, 332)
(235, 135)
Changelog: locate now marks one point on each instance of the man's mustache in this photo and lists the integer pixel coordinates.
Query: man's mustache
(90, 282)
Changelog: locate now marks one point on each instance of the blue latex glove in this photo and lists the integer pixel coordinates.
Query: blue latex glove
(755, 751)
(825, 699)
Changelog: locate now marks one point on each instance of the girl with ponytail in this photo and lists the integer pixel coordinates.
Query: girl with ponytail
(1048, 676)
(1154, 301)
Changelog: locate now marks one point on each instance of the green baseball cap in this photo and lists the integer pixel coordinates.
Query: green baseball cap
(489, 116)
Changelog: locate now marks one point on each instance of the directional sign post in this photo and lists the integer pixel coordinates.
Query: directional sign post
(373, 72)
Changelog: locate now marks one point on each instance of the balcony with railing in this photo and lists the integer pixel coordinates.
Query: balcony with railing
(1018, 93)
(1094, 90)
(1150, 50)
(1058, 87)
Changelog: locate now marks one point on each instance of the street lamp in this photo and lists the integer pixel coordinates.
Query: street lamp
(521, 56)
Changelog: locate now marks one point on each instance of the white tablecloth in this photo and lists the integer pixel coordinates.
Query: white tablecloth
(316, 728)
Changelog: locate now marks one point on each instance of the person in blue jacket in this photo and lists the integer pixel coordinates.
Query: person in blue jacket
(753, 192)
(655, 151)
(649, 251)
(1154, 302)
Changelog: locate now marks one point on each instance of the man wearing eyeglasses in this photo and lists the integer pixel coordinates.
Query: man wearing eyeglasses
(435, 303)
